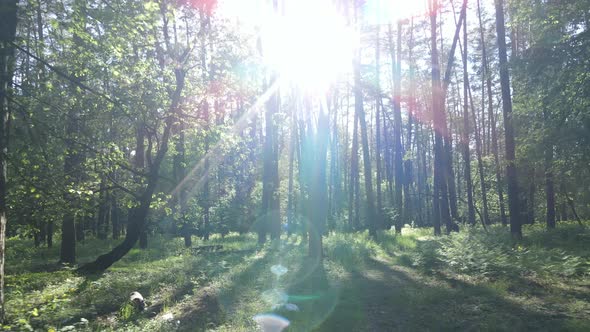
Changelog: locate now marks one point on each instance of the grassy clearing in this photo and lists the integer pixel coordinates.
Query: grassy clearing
(467, 281)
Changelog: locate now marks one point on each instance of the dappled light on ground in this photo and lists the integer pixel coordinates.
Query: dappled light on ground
(385, 284)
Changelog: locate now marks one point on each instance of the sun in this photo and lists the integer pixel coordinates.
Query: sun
(310, 44)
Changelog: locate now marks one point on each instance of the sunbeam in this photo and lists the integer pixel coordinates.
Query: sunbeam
(214, 156)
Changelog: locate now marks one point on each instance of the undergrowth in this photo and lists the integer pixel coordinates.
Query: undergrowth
(42, 295)
(555, 253)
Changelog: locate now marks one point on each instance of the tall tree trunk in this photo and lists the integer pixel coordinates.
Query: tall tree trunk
(491, 119)
(269, 181)
(531, 198)
(549, 186)
(478, 150)
(206, 184)
(290, 194)
(372, 218)
(511, 176)
(563, 203)
(103, 207)
(8, 20)
(318, 192)
(50, 233)
(397, 129)
(441, 199)
(275, 202)
(465, 138)
(408, 163)
(449, 176)
(73, 157)
(378, 120)
(335, 183)
(139, 162)
(71, 165)
(179, 170)
(353, 218)
(115, 218)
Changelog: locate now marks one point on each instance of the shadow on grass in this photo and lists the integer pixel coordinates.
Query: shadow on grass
(313, 294)
(389, 298)
(211, 304)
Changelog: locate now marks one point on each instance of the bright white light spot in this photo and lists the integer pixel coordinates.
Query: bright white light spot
(307, 42)
(291, 307)
(278, 270)
(390, 11)
(271, 323)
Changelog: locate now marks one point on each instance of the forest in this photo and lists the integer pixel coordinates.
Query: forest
(296, 165)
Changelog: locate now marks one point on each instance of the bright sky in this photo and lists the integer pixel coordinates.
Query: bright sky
(309, 42)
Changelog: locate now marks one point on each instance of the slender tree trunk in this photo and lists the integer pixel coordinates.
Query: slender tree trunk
(446, 185)
(378, 121)
(73, 157)
(465, 138)
(563, 204)
(372, 220)
(103, 204)
(440, 200)
(531, 198)
(206, 185)
(50, 234)
(549, 186)
(409, 163)
(511, 176)
(179, 171)
(478, 150)
(491, 119)
(290, 197)
(397, 129)
(354, 178)
(275, 202)
(8, 20)
(71, 165)
(318, 193)
(335, 183)
(139, 163)
(115, 218)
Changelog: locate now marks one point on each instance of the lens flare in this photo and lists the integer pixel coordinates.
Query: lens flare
(307, 42)
(271, 322)
(278, 270)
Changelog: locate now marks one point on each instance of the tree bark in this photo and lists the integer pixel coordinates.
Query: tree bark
(465, 138)
(549, 186)
(353, 218)
(511, 176)
(440, 200)
(372, 220)
(8, 21)
(318, 193)
(378, 121)
(138, 216)
(397, 129)
(491, 119)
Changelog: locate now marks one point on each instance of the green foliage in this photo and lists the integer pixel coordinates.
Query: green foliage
(462, 277)
(351, 248)
(493, 254)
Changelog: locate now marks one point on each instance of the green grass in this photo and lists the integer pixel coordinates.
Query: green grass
(411, 282)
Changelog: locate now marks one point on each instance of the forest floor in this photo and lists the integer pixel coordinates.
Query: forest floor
(412, 282)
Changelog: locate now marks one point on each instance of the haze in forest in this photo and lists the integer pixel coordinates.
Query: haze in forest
(294, 165)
